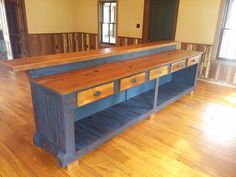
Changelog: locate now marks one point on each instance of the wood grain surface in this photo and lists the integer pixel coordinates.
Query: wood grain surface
(158, 72)
(178, 65)
(193, 60)
(77, 80)
(57, 43)
(132, 81)
(25, 64)
(94, 94)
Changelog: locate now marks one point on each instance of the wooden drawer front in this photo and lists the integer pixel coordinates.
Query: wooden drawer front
(94, 94)
(132, 81)
(193, 60)
(158, 72)
(178, 66)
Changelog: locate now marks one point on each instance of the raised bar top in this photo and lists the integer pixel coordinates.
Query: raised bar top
(25, 64)
(82, 79)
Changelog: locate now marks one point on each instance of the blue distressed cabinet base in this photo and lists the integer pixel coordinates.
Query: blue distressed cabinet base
(81, 100)
(59, 115)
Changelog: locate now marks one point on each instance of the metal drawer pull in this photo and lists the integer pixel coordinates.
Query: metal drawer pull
(133, 81)
(97, 93)
(159, 72)
(180, 65)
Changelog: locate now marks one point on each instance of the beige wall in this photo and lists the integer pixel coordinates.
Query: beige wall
(197, 21)
(58, 16)
(49, 16)
(130, 13)
(85, 15)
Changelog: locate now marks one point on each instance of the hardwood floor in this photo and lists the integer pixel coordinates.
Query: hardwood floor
(195, 136)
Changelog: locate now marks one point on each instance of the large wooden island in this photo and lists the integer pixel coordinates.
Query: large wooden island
(82, 100)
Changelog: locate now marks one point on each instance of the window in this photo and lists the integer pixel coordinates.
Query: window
(108, 22)
(227, 47)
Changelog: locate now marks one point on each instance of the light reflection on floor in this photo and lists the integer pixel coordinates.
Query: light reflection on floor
(232, 99)
(220, 123)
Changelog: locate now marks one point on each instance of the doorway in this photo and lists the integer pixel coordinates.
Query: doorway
(108, 10)
(5, 43)
(160, 19)
(14, 28)
(16, 16)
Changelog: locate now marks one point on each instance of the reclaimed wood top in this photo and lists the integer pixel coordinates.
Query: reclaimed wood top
(77, 80)
(25, 64)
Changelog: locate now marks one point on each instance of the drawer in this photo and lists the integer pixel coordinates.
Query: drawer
(94, 94)
(158, 72)
(178, 65)
(132, 81)
(193, 60)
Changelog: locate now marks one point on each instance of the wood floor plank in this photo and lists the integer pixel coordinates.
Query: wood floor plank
(196, 136)
(11, 164)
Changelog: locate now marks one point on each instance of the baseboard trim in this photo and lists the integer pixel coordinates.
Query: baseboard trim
(220, 83)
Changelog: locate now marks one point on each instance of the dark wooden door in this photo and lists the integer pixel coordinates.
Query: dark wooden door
(15, 12)
(13, 27)
(162, 19)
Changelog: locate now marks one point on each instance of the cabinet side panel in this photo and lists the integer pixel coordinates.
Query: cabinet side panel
(48, 115)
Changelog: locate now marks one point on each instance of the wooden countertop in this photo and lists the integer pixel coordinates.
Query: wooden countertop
(25, 64)
(78, 80)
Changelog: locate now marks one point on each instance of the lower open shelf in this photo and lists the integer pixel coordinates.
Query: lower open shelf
(100, 127)
(89, 131)
(171, 91)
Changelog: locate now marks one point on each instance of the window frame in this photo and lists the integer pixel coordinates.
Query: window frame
(109, 23)
(223, 28)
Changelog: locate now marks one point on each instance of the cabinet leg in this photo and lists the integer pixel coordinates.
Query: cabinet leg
(191, 93)
(151, 117)
(72, 165)
(37, 140)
